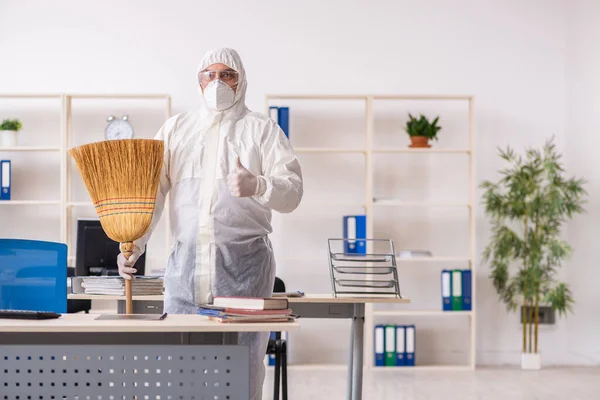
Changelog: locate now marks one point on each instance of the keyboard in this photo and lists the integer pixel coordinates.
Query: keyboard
(28, 314)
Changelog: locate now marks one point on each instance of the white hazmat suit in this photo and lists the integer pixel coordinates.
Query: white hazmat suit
(220, 241)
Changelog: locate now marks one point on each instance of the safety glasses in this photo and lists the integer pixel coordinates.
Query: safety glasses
(228, 76)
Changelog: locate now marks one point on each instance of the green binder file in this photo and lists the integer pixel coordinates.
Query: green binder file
(390, 346)
(456, 290)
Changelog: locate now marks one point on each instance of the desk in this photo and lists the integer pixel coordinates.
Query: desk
(77, 356)
(308, 306)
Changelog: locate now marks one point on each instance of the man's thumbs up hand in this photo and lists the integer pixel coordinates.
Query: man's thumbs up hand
(242, 183)
(240, 167)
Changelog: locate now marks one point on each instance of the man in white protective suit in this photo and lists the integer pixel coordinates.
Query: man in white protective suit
(226, 169)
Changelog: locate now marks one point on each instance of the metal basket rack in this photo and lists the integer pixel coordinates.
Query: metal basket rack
(372, 273)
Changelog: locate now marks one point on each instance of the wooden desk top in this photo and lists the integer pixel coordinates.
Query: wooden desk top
(307, 298)
(346, 299)
(172, 323)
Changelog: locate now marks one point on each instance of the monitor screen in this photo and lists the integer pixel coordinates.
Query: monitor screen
(97, 253)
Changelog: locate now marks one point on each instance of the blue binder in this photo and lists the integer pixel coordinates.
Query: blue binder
(446, 290)
(466, 289)
(5, 179)
(379, 345)
(400, 345)
(355, 227)
(411, 345)
(283, 117)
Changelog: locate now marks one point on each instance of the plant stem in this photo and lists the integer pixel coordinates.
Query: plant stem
(537, 302)
(525, 287)
(530, 324)
(524, 321)
(536, 233)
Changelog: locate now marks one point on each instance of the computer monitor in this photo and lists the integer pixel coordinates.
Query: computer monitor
(97, 253)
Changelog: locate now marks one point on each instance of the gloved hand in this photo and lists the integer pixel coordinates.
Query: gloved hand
(125, 265)
(242, 183)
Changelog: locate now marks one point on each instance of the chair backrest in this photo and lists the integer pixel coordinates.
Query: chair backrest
(33, 275)
(279, 286)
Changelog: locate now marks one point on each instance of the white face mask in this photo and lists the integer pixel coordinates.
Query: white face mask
(219, 95)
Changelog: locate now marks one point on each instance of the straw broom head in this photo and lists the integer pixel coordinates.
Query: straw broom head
(122, 178)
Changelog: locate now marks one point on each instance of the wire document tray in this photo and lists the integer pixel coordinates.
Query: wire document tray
(371, 273)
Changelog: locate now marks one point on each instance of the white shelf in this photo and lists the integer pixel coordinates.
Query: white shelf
(435, 313)
(331, 204)
(328, 150)
(423, 368)
(421, 150)
(369, 96)
(30, 96)
(33, 148)
(315, 367)
(400, 203)
(344, 367)
(80, 204)
(433, 259)
(316, 97)
(424, 97)
(29, 202)
(132, 96)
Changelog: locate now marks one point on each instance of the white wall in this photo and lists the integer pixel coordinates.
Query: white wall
(583, 124)
(511, 55)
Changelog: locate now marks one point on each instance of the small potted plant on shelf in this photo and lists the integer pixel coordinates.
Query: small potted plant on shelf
(421, 131)
(528, 207)
(8, 132)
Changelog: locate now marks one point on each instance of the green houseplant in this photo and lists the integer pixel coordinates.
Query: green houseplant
(528, 207)
(9, 129)
(421, 131)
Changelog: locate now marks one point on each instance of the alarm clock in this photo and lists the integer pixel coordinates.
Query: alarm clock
(118, 128)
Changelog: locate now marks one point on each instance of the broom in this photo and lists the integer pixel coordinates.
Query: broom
(122, 177)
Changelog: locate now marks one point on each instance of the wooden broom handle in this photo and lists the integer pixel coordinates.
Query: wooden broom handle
(127, 250)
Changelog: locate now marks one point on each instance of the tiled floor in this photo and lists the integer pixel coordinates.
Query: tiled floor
(481, 384)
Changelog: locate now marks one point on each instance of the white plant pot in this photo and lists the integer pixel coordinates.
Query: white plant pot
(531, 361)
(8, 138)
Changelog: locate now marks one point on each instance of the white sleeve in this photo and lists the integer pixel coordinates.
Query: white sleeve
(165, 183)
(281, 174)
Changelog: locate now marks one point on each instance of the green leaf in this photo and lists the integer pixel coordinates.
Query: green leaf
(560, 299)
(422, 127)
(11, 125)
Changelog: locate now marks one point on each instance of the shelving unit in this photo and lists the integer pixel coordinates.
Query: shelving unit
(18, 149)
(370, 204)
(70, 170)
(67, 167)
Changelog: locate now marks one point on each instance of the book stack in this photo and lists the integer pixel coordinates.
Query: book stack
(115, 285)
(247, 309)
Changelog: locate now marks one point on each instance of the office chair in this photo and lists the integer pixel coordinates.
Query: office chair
(33, 275)
(278, 347)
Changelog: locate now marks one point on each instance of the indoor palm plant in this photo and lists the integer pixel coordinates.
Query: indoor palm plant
(528, 207)
(9, 129)
(421, 131)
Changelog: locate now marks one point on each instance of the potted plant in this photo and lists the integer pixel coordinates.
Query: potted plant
(421, 131)
(8, 132)
(527, 208)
